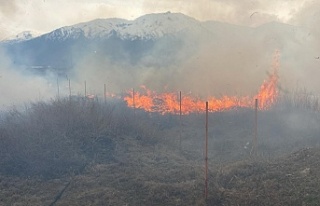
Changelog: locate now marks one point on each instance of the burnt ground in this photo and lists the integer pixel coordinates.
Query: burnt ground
(145, 165)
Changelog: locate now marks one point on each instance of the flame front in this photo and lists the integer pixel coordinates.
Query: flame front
(170, 102)
(269, 92)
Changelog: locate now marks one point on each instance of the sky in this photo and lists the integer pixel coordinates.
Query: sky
(42, 16)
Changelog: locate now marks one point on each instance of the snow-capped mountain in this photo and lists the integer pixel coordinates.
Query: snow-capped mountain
(150, 26)
(152, 40)
(160, 35)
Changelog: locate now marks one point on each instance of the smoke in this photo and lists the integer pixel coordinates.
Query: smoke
(220, 60)
(308, 17)
(8, 10)
(246, 12)
(17, 16)
(18, 87)
(224, 61)
(302, 57)
(213, 72)
(198, 65)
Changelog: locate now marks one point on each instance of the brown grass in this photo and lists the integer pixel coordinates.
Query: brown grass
(108, 156)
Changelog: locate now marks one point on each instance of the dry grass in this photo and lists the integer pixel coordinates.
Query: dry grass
(106, 155)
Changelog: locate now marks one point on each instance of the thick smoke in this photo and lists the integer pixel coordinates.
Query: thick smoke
(303, 57)
(227, 60)
(204, 68)
(18, 87)
(223, 61)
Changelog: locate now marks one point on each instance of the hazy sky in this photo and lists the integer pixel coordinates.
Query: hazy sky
(46, 15)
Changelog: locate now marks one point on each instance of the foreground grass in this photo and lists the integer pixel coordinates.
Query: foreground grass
(291, 180)
(82, 152)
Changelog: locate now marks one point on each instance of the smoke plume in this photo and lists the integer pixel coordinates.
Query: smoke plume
(18, 87)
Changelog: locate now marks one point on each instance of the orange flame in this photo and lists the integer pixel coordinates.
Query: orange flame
(169, 102)
(269, 92)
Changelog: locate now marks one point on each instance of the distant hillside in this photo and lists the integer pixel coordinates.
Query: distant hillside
(172, 50)
(168, 37)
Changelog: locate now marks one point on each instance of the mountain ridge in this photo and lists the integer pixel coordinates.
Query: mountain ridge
(147, 27)
(159, 40)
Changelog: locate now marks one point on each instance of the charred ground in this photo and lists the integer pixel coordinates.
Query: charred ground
(80, 152)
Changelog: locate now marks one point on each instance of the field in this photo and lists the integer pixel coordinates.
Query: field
(85, 152)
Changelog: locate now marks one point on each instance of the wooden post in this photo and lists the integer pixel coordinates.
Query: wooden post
(58, 88)
(85, 89)
(69, 90)
(206, 155)
(133, 102)
(105, 93)
(255, 137)
(180, 113)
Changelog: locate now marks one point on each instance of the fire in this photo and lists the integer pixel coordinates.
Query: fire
(169, 102)
(269, 92)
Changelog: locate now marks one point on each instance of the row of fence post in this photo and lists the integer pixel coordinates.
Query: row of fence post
(255, 133)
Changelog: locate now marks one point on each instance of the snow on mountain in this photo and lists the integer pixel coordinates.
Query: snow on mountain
(150, 26)
(147, 27)
(101, 28)
(128, 40)
(158, 25)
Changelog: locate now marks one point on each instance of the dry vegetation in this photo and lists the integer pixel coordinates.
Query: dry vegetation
(80, 152)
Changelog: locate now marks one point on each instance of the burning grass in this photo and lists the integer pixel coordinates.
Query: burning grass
(171, 103)
(108, 154)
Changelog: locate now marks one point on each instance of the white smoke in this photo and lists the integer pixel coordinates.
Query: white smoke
(17, 87)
